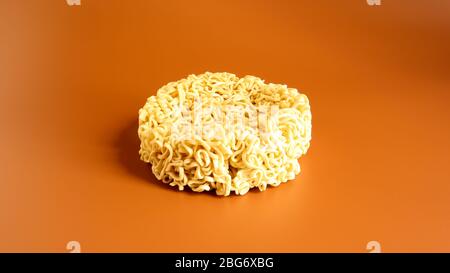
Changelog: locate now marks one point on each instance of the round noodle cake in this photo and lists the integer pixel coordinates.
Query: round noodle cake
(216, 131)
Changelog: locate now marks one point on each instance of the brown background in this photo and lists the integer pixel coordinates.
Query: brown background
(72, 79)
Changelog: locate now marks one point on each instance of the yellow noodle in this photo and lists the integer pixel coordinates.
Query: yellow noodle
(188, 133)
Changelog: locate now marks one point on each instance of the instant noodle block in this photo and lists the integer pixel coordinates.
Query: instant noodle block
(218, 132)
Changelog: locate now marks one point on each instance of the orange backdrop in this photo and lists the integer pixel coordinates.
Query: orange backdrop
(72, 79)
